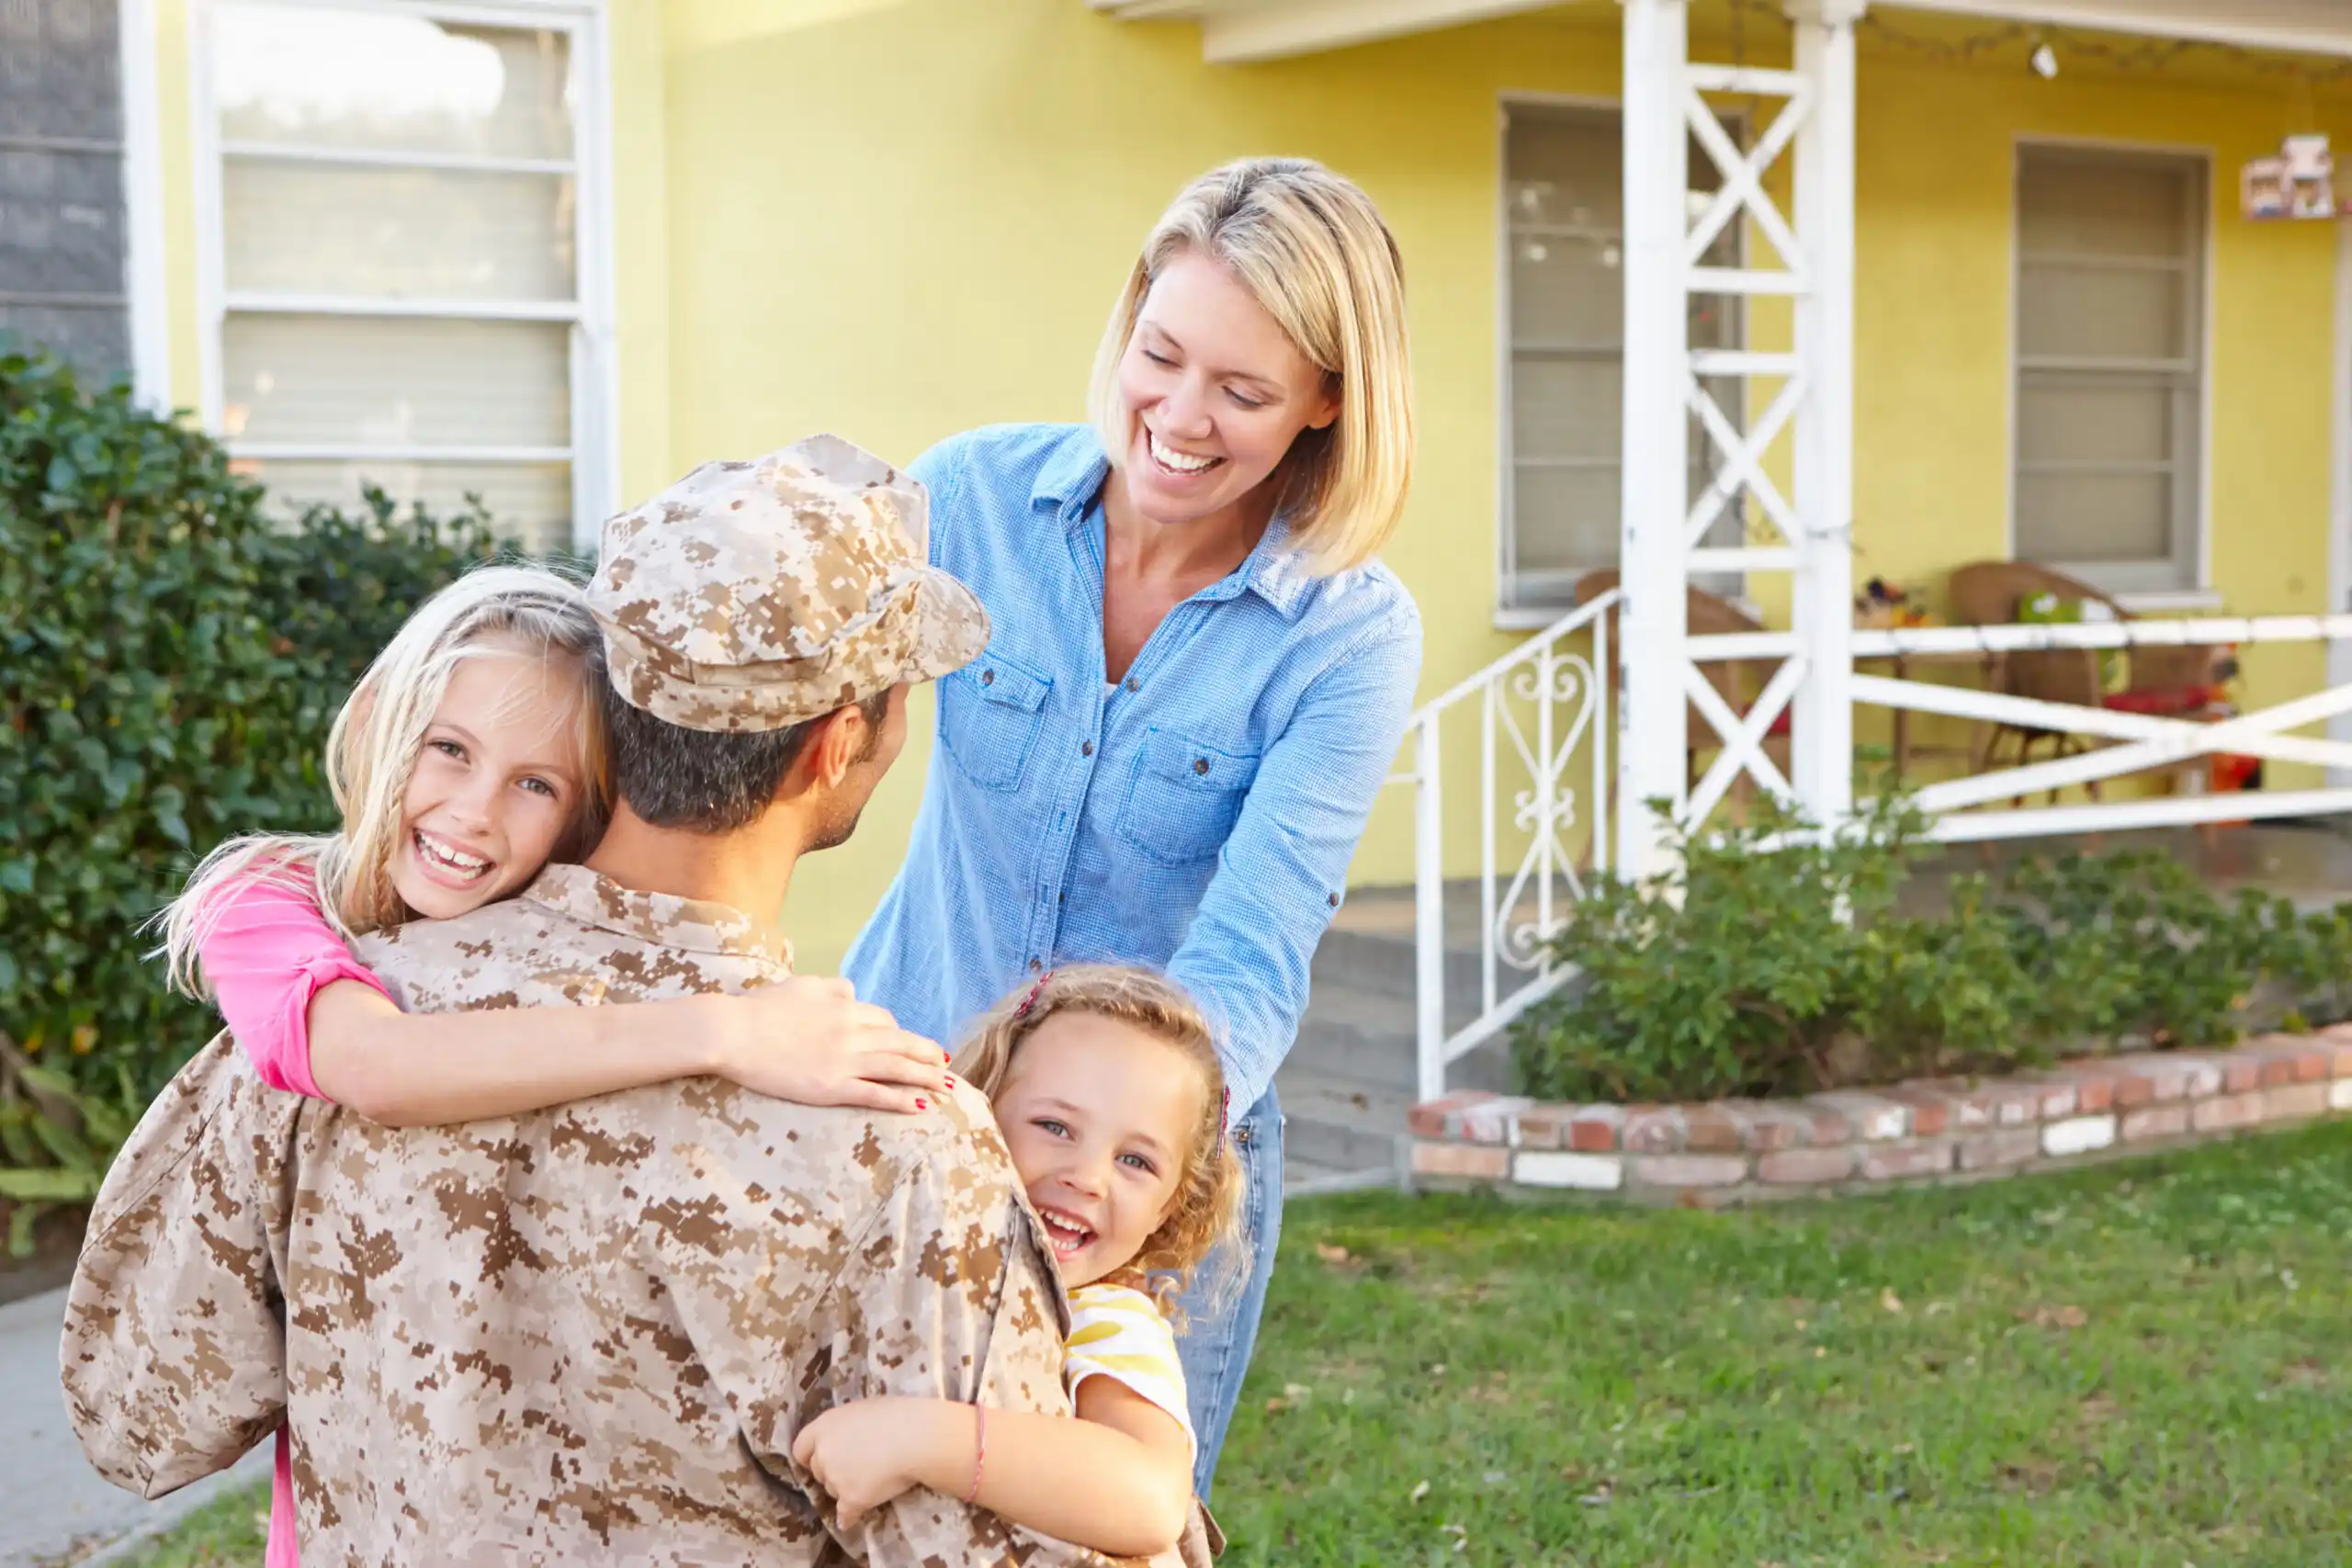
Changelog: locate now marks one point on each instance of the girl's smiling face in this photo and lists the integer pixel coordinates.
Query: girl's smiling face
(497, 781)
(1098, 1116)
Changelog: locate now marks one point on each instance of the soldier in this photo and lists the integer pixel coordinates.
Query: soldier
(592, 1333)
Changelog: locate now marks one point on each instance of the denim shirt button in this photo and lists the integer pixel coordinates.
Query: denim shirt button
(1199, 765)
(1086, 749)
(1134, 684)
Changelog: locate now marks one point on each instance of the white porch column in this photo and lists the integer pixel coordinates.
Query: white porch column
(1822, 723)
(1651, 755)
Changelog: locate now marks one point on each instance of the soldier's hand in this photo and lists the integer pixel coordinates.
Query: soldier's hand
(866, 1453)
(812, 1041)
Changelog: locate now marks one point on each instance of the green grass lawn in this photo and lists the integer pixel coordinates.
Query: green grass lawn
(231, 1531)
(2146, 1364)
(2149, 1364)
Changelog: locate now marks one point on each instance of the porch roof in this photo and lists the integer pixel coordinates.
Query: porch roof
(1238, 32)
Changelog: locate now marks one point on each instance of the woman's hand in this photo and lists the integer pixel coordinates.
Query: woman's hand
(809, 1039)
(866, 1452)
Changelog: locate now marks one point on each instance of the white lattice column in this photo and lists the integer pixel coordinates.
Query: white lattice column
(1822, 727)
(1652, 556)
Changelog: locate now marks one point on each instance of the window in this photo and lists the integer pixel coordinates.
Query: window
(403, 260)
(64, 224)
(1564, 215)
(2110, 365)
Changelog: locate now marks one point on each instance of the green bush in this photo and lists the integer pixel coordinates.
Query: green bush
(170, 659)
(1776, 960)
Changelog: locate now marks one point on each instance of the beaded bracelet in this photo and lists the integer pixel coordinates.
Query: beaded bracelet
(979, 1450)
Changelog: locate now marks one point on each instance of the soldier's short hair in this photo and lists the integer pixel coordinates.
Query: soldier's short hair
(703, 781)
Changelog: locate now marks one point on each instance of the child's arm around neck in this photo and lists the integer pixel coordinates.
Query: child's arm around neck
(315, 1021)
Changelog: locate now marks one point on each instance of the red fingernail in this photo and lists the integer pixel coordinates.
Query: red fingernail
(922, 1105)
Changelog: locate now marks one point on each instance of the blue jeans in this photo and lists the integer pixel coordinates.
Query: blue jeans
(1229, 1296)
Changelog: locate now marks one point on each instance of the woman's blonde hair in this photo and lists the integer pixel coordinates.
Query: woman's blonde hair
(372, 751)
(1311, 249)
(1207, 1204)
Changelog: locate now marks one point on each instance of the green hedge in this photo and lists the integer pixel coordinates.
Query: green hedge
(1763, 970)
(171, 656)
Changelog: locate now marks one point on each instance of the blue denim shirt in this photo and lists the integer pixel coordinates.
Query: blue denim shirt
(1200, 818)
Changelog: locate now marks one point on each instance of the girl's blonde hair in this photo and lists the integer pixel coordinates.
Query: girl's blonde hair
(1207, 1204)
(1311, 249)
(372, 751)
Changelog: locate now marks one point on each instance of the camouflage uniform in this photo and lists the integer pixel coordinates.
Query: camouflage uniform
(590, 1333)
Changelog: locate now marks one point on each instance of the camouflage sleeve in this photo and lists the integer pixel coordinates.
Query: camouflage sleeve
(950, 1297)
(173, 1352)
(941, 1294)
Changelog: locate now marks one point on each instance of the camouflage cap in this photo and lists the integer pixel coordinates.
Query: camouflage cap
(754, 595)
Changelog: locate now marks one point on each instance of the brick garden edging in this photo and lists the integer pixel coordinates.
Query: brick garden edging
(1936, 1130)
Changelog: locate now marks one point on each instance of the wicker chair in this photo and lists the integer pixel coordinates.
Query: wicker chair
(2169, 680)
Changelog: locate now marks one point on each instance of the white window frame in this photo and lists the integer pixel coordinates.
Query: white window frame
(594, 454)
(141, 167)
(142, 204)
(2198, 593)
(1509, 616)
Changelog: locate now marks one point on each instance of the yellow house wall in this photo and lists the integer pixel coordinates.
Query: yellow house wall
(896, 218)
(1934, 258)
(175, 123)
(901, 217)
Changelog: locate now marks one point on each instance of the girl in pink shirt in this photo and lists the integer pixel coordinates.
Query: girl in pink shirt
(465, 759)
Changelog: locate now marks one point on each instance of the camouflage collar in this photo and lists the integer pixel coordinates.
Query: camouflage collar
(691, 925)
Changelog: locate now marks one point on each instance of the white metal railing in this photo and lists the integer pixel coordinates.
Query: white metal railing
(1538, 704)
(2139, 742)
(1543, 701)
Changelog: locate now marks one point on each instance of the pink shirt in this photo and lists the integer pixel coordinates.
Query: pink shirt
(268, 953)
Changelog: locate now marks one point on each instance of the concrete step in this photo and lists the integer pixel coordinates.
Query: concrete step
(1343, 1123)
(1351, 1034)
(1354, 1072)
(1378, 959)
(1304, 1178)
(1370, 948)
(1370, 1038)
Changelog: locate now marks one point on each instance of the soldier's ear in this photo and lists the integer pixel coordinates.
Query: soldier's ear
(835, 743)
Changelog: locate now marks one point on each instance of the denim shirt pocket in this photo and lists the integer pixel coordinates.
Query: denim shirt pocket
(1183, 800)
(989, 714)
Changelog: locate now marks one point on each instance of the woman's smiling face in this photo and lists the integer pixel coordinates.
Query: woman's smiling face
(1215, 392)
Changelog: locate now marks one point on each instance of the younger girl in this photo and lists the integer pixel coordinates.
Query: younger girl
(465, 759)
(1106, 1085)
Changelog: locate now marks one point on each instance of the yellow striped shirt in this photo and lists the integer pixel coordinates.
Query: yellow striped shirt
(1119, 1333)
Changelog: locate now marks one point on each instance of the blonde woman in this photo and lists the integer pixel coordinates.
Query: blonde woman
(1199, 673)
